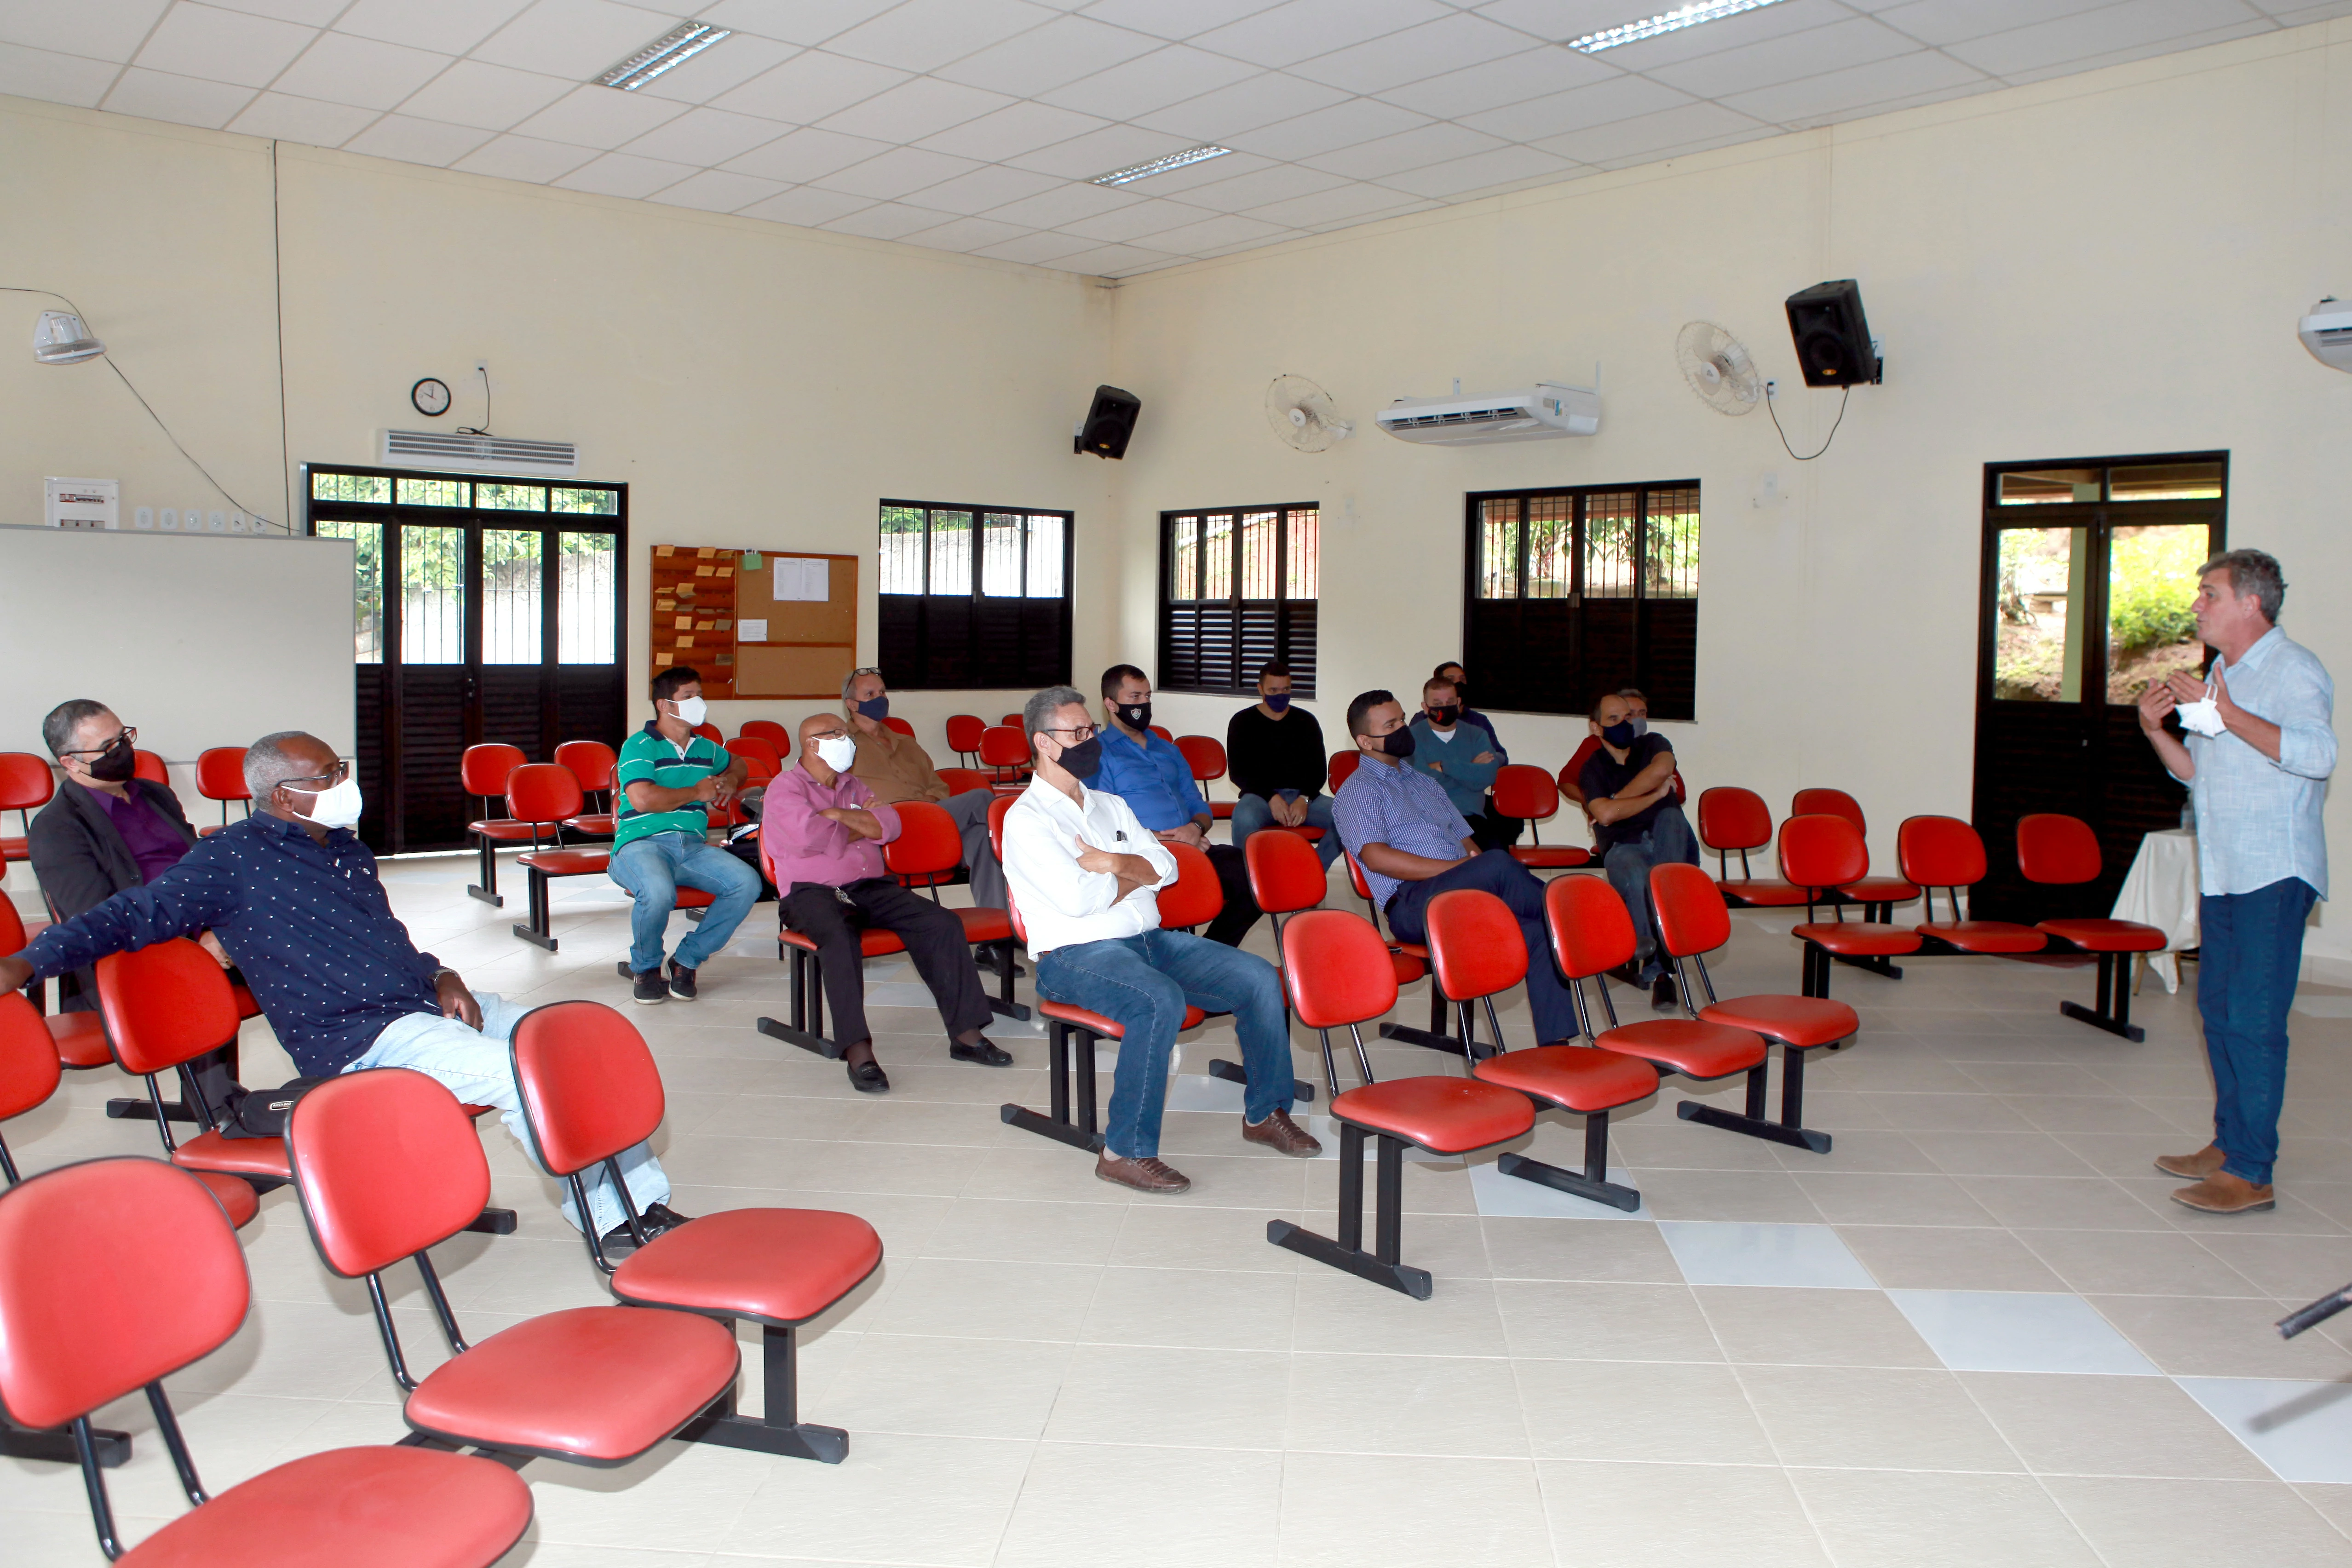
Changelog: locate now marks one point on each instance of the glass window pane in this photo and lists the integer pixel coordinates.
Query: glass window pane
(1258, 553)
(1045, 556)
(1184, 560)
(951, 553)
(1670, 566)
(599, 502)
(1498, 550)
(1217, 556)
(1551, 547)
(1609, 528)
(2038, 656)
(510, 596)
(1303, 567)
(432, 596)
(511, 497)
(2165, 482)
(433, 492)
(367, 583)
(901, 564)
(2048, 486)
(1000, 555)
(584, 611)
(2151, 581)
(350, 487)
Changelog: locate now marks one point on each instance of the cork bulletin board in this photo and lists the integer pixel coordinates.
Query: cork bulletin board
(756, 623)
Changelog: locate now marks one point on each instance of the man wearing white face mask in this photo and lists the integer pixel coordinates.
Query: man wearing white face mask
(823, 833)
(661, 837)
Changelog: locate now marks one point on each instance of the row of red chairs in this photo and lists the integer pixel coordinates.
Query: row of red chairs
(28, 782)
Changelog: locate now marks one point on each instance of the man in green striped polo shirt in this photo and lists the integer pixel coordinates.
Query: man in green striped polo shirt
(668, 775)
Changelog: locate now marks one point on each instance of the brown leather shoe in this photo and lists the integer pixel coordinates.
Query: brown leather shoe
(2192, 1167)
(1284, 1136)
(1146, 1174)
(2223, 1193)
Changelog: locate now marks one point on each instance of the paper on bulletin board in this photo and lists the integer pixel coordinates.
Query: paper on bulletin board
(751, 631)
(803, 579)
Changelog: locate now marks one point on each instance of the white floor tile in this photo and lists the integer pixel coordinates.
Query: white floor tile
(2019, 1331)
(2303, 1431)
(1502, 1197)
(1739, 1252)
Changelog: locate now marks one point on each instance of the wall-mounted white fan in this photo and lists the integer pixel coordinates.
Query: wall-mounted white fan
(1717, 368)
(1300, 412)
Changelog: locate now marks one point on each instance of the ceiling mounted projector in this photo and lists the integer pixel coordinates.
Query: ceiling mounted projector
(60, 338)
(2328, 333)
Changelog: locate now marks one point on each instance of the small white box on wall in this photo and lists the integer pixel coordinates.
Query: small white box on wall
(82, 503)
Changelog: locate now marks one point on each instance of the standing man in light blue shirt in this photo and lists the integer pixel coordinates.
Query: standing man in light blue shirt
(2255, 752)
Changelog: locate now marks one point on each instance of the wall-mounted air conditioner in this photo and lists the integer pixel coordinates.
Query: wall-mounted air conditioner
(479, 454)
(1546, 410)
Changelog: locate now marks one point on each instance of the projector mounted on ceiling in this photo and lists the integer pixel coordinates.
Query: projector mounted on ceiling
(2328, 333)
(1539, 412)
(479, 454)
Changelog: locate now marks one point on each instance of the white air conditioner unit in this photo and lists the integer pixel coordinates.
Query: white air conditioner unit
(479, 454)
(2328, 333)
(1541, 412)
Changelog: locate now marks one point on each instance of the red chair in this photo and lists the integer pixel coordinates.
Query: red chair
(77, 1040)
(2063, 851)
(1205, 755)
(964, 730)
(796, 949)
(1342, 765)
(900, 724)
(483, 772)
(769, 730)
(762, 760)
(25, 786)
(549, 795)
(1945, 853)
(711, 733)
(1010, 721)
(1530, 794)
(592, 763)
(1878, 895)
(115, 1274)
(590, 1093)
(1004, 751)
(147, 764)
(1824, 854)
(220, 776)
(388, 1166)
(930, 846)
(1410, 960)
(1732, 820)
(1692, 922)
(962, 781)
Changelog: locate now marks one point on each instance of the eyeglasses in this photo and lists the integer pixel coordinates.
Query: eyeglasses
(342, 771)
(130, 733)
(869, 670)
(1084, 732)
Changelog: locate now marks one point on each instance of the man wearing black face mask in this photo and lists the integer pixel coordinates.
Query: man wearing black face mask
(1152, 776)
(1629, 793)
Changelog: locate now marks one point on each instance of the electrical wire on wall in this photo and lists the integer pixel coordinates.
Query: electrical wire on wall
(1772, 408)
(483, 428)
(277, 285)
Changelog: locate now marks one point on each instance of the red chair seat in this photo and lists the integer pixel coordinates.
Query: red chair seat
(1551, 857)
(1880, 889)
(356, 1508)
(237, 1196)
(1986, 935)
(1858, 938)
(264, 1157)
(694, 898)
(567, 862)
(1101, 1026)
(1793, 1020)
(709, 1266)
(1408, 968)
(1220, 809)
(1694, 1048)
(1760, 892)
(1443, 1116)
(985, 924)
(872, 943)
(600, 1383)
(247, 1008)
(2107, 935)
(504, 830)
(1573, 1077)
(81, 1040)
(16, 848)
(596, 823)
(1312, 835)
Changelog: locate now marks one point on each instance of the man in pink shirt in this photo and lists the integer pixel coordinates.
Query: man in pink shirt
(822, 831)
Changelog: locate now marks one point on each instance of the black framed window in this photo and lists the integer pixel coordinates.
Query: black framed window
(973, 598)
(1569, 588)
(1237, 587)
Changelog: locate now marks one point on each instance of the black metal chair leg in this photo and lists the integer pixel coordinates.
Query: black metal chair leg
(779, 1431)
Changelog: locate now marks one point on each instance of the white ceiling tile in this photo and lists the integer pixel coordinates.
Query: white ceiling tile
(707, 136)
(1143, 218)
(1559, 20)
(1099, 152)
(1113, 260)
(1148, 82)
(1061, 51)
(1213, 233)
(1193, 176)
(1515, 79)
(1176, 19)
(1035, 249)
(923, 35)
(917, 108)
(1326, 129)
(340, 69)
(183, 101)
(722, 68)
(575, 38)
(1055, 208)
(308, 13)
(2295, 15)
(1618, 99)
(451, 26)
(1731, 33)
(524, 158)
(2078, 37)
(808, 87)
(806, 206)
(619, 175)
(95, 29)
(1857, 87)
(490, 98)
(1483, 169)
(1246, 192)
(965, 235)
(599, 117)
(1417, 53)
(1411, 150)
(1855, 42)
(983, 189)
(282, 118)
(417, 140)
(1255, 100)
(806, 155)
(1940, 22)
(214, 45)
(1342, 203)
(886, 220)
(2170, 43)
(54, 78)
(1302, 29)
(802, 22)
(715, 190)
(1009, 133)
(895, 173)
(1643, 133)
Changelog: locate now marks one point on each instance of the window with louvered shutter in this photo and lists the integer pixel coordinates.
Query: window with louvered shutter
(973, 598)
(1238, 589)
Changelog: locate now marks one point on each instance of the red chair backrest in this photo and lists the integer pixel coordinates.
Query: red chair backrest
(12, 924)
(1822, 850)
(1521, 790)
(589, 1086)
(964, 730)
(2055, 849)
(758, 754)
(1692, 918)
(164, 1004)
(1205, 754)
(1342, 765)
(1195, 897)
(1475, 944)
(996, 809)
(1829, 804)
(927, 842)
(1590, 930)
(220, 773)
(1336, 966)
(1010, 721)
(1161, 731)
(962, 781)
(591, 761)
(113, 1273)
(769, 730)
(26, 781)
(28, 1057)
(710, 732)
(148, 766)
(542, 793)
(1940, 852)
(1285, 872)
(483, 769)
(1004, 746)
(1355, 875)
(387, 1164)
(1730, 818)
(900, 724)
(1571, 773)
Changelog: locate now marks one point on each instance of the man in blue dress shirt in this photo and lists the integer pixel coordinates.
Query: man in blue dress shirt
(2256, 750)
(1152, 776)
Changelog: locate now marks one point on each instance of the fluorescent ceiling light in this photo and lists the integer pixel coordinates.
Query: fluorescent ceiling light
(1134, 171)
(675, 47)
(1674, 21)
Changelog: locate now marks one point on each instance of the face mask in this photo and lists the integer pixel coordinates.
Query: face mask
(1084, 760)
(838, 752)
(693, 710)
(1621, 735)
(876, 708)
(1640, 726)
(335, 807)
(1397, 743)
(1135, 715)
(1446, 718)
(1278, 701)
(116, 763)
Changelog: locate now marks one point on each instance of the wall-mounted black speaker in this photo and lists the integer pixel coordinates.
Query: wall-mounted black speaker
(1832, 336)
(1109, 422)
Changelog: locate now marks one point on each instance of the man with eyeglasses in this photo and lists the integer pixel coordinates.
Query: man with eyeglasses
(1156, 781)
(293, 897)
(897, 769)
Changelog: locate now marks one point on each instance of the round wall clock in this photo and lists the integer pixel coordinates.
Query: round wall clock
(431, 396)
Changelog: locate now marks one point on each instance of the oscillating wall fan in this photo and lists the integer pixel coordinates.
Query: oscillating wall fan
(1302, 416)
(1717, 368)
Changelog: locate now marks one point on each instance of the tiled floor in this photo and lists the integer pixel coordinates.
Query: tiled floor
(1974, 1332)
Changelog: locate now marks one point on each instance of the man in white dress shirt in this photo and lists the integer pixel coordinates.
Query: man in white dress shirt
(1085, 875)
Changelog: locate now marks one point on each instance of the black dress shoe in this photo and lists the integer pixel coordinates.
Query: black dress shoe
(650, 988)
(681, 982)
(867, 1078)
(982, 1052)
(660, 1218)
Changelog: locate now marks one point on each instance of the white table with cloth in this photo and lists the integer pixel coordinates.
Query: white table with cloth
(2161, 890)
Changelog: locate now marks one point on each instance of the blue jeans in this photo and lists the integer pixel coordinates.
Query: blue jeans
(1143, 982)
(1252, 814)
(651, 869)
(1667, 840)
(475, 1065)
(1496, 871)
(2248, 958)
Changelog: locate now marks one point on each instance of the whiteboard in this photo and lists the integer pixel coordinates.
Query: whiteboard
(199, 640)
